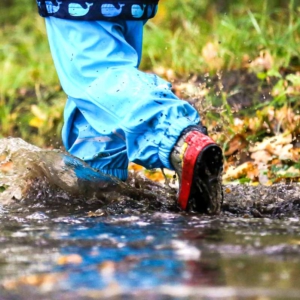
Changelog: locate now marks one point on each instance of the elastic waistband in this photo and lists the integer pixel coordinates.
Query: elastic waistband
(98, 9)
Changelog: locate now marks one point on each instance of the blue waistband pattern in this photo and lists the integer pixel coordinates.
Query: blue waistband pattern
(98, 9)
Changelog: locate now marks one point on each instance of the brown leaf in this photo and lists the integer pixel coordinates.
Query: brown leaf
(210, 54)
(107, 268)
(238, 142)
(263, 62)
(261, 156)
(45, 281)
(69, 259)
(291, 172)
(6, 167)
(247, 169)
(269, 144)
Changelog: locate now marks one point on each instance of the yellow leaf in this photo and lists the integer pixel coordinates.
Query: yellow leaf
(38, 280)
(210, 54)
(270, 143)
(69, 259)
(36, 122)
(227, 190)
(295, 242)
(291, 172)
(38, 112)
(247, 169)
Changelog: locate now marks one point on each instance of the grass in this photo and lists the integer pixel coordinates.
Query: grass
(28, 80)
(185, 38)
(178, 37)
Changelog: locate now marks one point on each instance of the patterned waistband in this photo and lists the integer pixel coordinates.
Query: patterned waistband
(98, 9)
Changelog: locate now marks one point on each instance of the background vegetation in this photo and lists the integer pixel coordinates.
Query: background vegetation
(201, 46)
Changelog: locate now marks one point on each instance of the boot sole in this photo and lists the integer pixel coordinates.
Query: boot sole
(201, 187)
(206, 192)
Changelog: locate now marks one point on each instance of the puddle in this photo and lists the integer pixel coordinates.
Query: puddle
(130, 241)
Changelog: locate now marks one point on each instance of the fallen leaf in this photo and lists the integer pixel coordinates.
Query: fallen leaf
(6, 167)
(263, 62)
(95, 214)
(107, 268)
(43, 281)
(210, 54)
(238, 142)
(270, 143)
(227, 190)
(69, 259)
(261, 156)
(135, 167)
(247, 169)
(291, 172)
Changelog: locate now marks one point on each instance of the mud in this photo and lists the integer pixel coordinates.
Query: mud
(276, 201)
(244, 89)
(42, 177)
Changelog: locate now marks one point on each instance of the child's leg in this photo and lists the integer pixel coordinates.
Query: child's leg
(114, 112)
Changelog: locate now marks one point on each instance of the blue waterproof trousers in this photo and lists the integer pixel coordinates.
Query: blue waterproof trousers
(114, 112)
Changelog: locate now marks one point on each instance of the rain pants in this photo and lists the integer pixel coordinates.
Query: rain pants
(114, 112)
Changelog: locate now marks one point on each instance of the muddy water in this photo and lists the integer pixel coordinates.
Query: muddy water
(131, 242)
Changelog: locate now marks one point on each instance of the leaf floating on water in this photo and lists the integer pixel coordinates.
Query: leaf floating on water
(46, 282)
(107, 268)
(74, 259)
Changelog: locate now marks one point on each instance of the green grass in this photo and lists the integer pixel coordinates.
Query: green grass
(176, 39)
(28, 78)
(180, 38)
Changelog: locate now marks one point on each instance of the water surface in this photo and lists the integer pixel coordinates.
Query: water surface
(132, 242)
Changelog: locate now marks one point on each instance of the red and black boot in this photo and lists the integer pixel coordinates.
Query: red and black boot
(198, 162)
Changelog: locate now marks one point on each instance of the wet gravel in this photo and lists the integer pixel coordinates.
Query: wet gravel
(276, 201)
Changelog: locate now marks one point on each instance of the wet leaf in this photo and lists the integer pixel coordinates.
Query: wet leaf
(238, 142)
(155, 175)
(261, 156)
(6, 167)
(44, 281)
(36, 122)
(227, 190)
(246, 170)
(263, 62)
(69, 259)
(291, 172)
(294, 79)
(96, 214)
(107, 268)
(269, 143)
(36, 111)
(295, 242)
(210, 54)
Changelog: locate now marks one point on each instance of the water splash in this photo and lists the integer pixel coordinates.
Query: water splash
(28, 172)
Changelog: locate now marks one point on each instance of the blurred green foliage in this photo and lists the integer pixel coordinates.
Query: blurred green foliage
(238, 29)
(186, 37)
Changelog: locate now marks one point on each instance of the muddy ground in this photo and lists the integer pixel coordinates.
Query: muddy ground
(280, 200)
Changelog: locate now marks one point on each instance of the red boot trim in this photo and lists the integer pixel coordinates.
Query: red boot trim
(196, 141)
